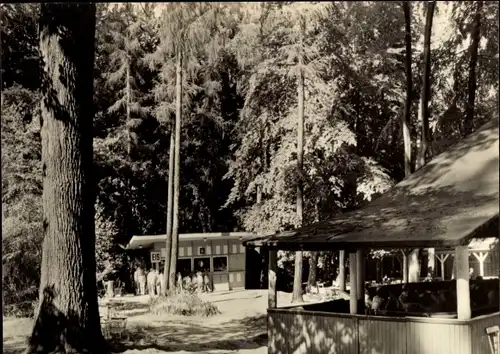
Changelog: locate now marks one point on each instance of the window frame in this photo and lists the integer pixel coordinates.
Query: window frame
(227, 264)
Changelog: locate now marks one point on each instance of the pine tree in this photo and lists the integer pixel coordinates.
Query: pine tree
(67, 319)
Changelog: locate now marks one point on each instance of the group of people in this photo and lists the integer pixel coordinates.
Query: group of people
(148, 283)
(152, 282)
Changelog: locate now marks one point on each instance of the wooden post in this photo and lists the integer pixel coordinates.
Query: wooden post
(431, 265)
(360, 284)
(353, 296)
(462, 274)
(273, 272)
(442, 259)
(481, 257)
(341, 276)
(454, 266)
(405, 266)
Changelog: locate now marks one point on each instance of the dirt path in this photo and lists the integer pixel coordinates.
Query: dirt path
(240, 328)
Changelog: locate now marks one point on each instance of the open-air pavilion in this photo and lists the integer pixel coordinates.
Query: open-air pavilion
(447, 204)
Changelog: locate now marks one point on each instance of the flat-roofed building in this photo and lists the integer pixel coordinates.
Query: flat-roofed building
(221, 254)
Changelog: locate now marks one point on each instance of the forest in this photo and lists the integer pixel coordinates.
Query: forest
(380, 88)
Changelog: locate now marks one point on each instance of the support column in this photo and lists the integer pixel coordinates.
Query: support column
(462, 274)
(481, 257)
(442, 259)
(453, 266)
(431, 262)
(273, 272)
(360, 284)
(341, 276)
(353, 281)
(405, 266)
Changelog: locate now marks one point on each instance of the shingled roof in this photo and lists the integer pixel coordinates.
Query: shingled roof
(449, 201)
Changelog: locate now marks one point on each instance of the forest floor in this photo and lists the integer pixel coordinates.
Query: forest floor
(239, 328)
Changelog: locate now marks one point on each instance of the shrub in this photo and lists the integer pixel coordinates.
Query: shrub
(22, 309)
(182, 304)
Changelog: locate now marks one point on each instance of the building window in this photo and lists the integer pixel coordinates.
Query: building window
(202, 264)
(184, 266)
(220, 264)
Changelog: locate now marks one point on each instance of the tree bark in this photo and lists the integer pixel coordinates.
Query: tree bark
(341, 276)
(177, 163)
(168, 243)
(297, 281)
(406, 118)
(67, 319)
(471, 87)
(313, 270)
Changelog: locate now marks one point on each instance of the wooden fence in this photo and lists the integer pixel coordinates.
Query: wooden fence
(293, 331)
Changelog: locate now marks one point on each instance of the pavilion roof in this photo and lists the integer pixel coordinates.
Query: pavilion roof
(447, 202)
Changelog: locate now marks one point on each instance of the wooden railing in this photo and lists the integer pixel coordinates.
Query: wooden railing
(297, 331)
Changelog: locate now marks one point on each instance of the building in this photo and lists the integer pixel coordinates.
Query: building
(221, 254)
(449, 203)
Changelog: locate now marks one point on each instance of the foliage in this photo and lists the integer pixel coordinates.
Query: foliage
(182, 304)
(239, 116)
(22, 234)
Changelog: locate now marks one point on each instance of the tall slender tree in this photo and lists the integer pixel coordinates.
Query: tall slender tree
(177, 164)
(67, 319)
(406, 117)
(472, 82)
(170, 194)
(423, 154)
(185, 31)
(297, 280)
(425, 93)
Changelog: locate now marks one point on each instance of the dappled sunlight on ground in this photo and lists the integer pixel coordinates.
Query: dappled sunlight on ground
(240, 328)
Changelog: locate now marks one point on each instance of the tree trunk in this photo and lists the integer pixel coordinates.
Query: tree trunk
(177, 163)
(127, 87)
(406, 118)
(414, 266)
(67, 319)
(426, 92)
(168, 243)
(313, 270)
(297, 281)
(471, 87)
(341, 276)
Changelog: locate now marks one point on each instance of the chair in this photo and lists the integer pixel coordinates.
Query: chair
(494, 339)
(115, 322)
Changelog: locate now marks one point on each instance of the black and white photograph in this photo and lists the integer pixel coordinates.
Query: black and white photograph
(290, 177)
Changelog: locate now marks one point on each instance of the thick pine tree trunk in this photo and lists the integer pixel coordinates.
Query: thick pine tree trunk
(406, 118)
(341, 276)
(177, 163)
(168, 243)
(67, 319)
(297, 279)
(471, 87)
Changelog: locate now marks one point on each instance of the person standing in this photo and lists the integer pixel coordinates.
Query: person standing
(142, 281)
(206, 282)
(151, 282)
(137, 288)
(199, 281)
(159, 275)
